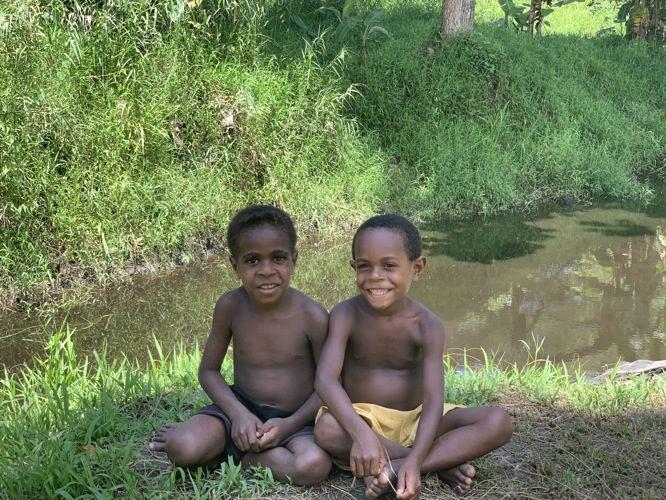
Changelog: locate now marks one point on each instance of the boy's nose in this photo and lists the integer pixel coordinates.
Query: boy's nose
(266, 268)
(376, 272)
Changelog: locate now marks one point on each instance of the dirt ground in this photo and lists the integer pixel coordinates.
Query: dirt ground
(554, 453)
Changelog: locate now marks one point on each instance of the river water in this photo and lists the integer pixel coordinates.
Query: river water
(587, 284)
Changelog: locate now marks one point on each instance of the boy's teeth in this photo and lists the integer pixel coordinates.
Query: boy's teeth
(378, 291)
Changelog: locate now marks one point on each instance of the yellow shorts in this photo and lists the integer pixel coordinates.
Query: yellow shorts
(396, 425)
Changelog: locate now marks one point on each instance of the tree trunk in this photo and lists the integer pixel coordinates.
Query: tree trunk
(457, 15)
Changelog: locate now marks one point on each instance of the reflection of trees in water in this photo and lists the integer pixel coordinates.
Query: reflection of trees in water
(623, 283)
(609, 302)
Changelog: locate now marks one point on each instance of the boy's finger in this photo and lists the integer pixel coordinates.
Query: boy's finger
(375, 466)
(353, 468)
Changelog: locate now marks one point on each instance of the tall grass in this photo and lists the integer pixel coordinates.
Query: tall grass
(77, 427)
(475, 377)
(131, 130)
(496, 120)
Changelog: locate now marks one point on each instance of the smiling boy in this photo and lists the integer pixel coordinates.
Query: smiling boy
(381, 376)
(278, 332)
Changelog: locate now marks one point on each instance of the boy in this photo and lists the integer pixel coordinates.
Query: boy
(266, 417)
(381, 377)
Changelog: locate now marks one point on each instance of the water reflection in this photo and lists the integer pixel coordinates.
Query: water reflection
(590, 283)
(593, 288)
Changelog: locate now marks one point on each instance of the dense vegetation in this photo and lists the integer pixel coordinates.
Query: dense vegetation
(131, 130)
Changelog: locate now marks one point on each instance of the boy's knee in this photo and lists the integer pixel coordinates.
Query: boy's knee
(182, 450)
(327, 430)
(313, 467)
(499, 420)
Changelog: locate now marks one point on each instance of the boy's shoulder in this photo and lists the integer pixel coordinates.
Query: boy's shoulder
(346, 306)
(307, 304)
(233, 297)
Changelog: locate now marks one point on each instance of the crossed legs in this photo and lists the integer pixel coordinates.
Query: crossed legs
(463, 435)
(201, 441)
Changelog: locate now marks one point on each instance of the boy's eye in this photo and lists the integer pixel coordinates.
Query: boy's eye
(279, 258)
(251, 260)
(362, 266)
(390, 264)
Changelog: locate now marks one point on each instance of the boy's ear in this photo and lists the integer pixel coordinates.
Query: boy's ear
(417, 267)
(234, 265)
(353, 264)
(294, 258)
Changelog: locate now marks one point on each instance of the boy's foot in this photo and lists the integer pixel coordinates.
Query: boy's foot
(382, 483)
(459, 478)
(158, 443)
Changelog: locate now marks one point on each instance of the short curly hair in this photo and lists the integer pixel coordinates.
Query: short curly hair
(254, 216)
(399, 224)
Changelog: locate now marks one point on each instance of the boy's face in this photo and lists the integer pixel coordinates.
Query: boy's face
(264, 263)
(384, 272)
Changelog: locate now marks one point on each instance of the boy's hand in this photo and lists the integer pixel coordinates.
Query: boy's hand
(244, 434)
(271, 433)
(409, 480)
(367, 456)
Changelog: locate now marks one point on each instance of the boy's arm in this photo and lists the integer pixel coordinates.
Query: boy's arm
(409, 474)
(244, 423)
(367, 456)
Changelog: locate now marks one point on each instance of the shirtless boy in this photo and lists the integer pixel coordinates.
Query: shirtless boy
(266, 416)
(381, 377)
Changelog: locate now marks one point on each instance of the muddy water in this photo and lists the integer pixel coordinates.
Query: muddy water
(587, 284)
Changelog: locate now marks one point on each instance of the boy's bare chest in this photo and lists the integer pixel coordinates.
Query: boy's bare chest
(385, 345)
(270, 343)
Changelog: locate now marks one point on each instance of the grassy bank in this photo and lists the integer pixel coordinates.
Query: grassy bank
(78, 428)
(130, 131)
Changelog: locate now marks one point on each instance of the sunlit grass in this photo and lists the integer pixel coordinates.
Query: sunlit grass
(78, 428)
(130, 133)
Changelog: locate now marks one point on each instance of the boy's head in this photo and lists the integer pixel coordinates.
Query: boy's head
(397, 223)
(386, 252)
(255, 216)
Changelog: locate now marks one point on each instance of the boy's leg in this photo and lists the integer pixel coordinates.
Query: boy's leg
(330, 435)
(198, 442)
(466, 434)
(300, 460)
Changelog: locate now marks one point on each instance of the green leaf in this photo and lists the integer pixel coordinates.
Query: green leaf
(348, 6)
(623, 12)
(373, 17)
(378, 29)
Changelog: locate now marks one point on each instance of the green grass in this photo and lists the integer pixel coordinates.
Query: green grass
(130, 133)
(77, 427)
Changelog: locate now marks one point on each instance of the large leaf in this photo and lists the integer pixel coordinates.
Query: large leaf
(623, 13)
(373, 17)
(348, 6)
(305, 25)
(378, 29)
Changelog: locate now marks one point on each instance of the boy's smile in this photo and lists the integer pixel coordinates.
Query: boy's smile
(265, 263)
(384, 272)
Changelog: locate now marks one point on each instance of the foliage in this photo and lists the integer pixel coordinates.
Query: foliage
(644, 20)
(528, 17)
(132, 131)
(366, 28)
(492, 121)
(76, 427)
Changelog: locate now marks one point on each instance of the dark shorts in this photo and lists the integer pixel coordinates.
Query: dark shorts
(264, 412)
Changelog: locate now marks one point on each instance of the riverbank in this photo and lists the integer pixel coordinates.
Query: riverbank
(132, 131)
(78, 428)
